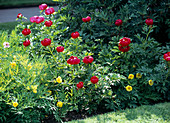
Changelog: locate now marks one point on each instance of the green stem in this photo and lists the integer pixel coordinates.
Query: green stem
(80, 66)
(148, 34)
(101, 44)
(83, 26)
(147, 39)
(63, 57)
(52, 54)
(76, 44)
(73, 73)
(90, 29)
(168, 70)
(21, 20)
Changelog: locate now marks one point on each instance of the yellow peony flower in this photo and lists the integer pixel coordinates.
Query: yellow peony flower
(59, 79)
(49, 92)
(138, 75)
(150, 82)
(34, 91)
(15, 104)
(46, 84)
(34, 87)
(129, 88)
(13, 64)
(28, 88)
(131, 76)
(134, 66)
(60, 104)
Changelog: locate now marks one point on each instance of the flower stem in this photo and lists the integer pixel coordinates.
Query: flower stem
(73, 73)
(148, 34)
(147, 38)
(52, 54)
(168, 70)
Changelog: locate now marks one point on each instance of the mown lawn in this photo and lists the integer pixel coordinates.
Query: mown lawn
(9, 26)
(159, 113)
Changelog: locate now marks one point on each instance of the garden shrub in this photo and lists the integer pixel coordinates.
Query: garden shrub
(41, 80)
(43, 72)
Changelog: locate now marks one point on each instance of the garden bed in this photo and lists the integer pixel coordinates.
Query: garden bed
(65, 65)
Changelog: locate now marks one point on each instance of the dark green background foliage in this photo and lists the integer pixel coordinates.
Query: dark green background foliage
(22, 3)
(104, 13)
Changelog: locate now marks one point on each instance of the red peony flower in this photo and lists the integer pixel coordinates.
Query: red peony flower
(73, 60)
(124, 49)
(26, 31)
(80, 85)
(49, 11)
(167, 56)
(60, 49)
(46, 42)
(75, 35)
(19, 15)
(118, 22)
(43, 6)
(94, 79)
(48, 23)
(149, 21)
(88, 59)
(84, 19)
(87, 19)
(26, 43)
(124, 41)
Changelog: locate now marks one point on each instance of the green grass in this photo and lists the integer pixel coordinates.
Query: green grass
(9, 26)
(159, 113)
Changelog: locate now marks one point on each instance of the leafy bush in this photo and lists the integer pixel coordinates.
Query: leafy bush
(36, 78)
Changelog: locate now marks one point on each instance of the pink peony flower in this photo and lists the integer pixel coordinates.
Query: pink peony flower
(37, 19)
(49, 11)
(43, 6)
